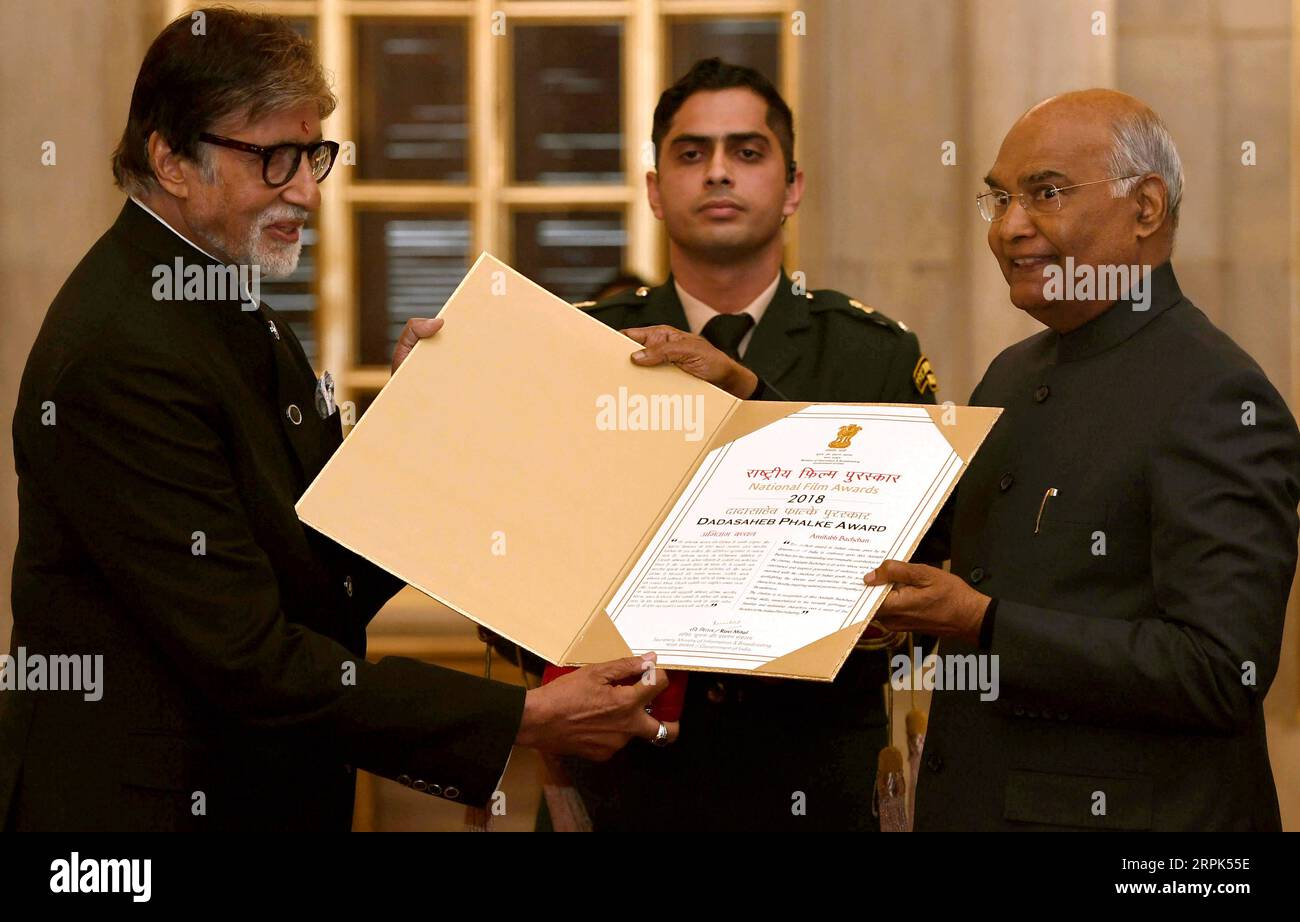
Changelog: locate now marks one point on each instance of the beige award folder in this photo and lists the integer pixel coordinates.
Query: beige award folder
(481, 477)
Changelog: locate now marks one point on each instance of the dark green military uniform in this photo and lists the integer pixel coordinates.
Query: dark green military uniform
(749, 747)
(817, 345)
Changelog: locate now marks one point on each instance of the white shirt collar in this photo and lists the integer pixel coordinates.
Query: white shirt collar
(160, 220)
(698, 313)
(247, 295)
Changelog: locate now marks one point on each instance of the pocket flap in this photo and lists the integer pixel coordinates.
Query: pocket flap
(1073, 800)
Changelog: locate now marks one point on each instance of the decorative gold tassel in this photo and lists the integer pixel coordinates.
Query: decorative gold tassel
(891, 791)
(568, 812)
(889, 796)
(916, 723)
(477, 819)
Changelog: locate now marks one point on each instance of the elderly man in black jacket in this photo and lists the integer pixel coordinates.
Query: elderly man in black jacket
(167, 422)
(1125, 541)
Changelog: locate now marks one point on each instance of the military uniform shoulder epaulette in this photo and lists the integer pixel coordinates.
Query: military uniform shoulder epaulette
(622, 299)
(923, 377)
(829, 299)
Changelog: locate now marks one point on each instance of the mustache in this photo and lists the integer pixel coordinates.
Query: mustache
(279, 214)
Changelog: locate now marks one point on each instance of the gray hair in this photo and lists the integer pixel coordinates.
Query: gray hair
(1143, 146)
(241, 65)
(141, 186)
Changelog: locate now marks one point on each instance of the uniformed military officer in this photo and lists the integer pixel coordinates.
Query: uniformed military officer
(1126, 538)
(752, 753)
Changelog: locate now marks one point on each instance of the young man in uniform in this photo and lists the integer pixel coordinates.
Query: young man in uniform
(724, 183)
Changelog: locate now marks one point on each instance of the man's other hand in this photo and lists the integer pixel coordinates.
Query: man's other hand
(416, 329)
(593, 711)
(669, 345)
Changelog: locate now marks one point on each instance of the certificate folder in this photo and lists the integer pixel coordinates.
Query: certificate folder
(518, 465)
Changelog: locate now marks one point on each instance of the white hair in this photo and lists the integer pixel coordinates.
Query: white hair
(1143, 146)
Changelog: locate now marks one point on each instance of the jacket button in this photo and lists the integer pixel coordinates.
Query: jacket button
(347, 585)
(976, 575)
(1005, 483)
(404, 780)
(420, 785)
(1047, 713)
(1042, 393)
(1018, 711)
(347, 769)
(1031, 713)
(435, 790)
(294, 414)
(451, 792)
(934, 762)
(717, 693)
(1061, 715)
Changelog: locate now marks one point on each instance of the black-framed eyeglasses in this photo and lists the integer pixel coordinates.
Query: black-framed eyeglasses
(1040, 198)
(280, 162)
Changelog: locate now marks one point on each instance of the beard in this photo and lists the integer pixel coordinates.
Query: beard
(278, 260)
(275, 260)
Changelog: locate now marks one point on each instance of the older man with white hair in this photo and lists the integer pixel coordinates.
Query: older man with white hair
(163, 433)
(1126, 539)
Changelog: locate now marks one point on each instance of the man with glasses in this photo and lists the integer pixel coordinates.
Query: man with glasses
(165, 426)
(1125, 540)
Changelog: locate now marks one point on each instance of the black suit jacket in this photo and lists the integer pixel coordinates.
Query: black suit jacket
(157, 528)
(1139, 626)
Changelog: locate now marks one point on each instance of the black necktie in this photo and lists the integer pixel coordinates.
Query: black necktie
(726, 331)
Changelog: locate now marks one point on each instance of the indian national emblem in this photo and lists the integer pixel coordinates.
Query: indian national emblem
(846, 435)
